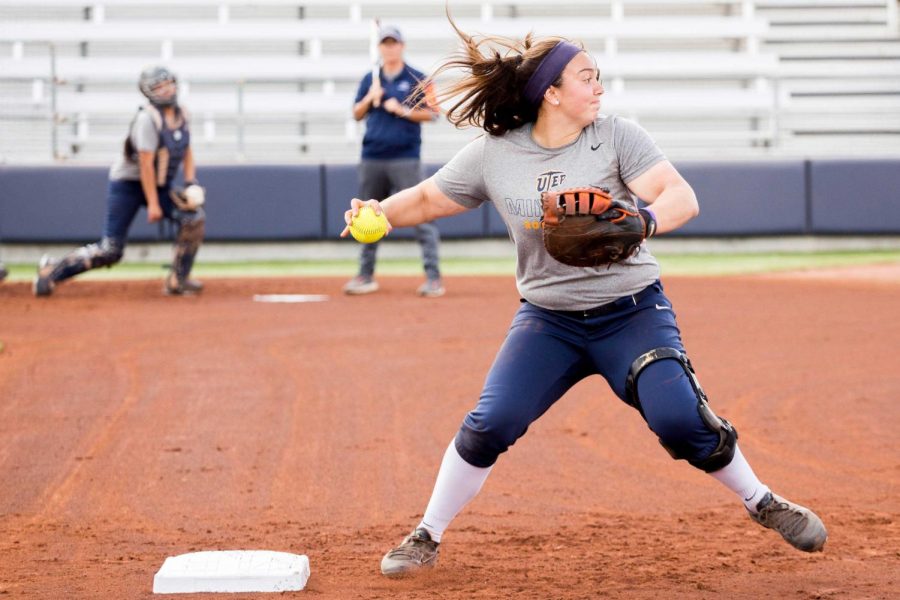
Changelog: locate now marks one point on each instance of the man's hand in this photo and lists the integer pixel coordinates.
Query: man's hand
(154, 213)
(374, 95)
(393, 106)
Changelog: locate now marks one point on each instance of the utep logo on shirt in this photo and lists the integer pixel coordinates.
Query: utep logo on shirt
(548, 180)
(531, 209)
(403, 86)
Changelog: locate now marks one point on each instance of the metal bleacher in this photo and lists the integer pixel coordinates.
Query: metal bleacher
(272, 81)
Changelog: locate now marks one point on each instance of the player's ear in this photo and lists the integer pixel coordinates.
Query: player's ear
(552, 96)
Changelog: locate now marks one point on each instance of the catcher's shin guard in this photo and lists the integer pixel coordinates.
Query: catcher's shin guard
(723, 453)
(106, 253)
(191, 229)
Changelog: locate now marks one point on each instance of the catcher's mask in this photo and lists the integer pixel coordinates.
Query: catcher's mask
(151, 77)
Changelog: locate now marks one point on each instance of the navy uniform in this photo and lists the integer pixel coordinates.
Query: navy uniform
(391, 162)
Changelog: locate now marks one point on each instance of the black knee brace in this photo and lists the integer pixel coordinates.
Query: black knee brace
(728, 436)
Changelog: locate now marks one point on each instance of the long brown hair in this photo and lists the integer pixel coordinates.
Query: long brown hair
(493, 83)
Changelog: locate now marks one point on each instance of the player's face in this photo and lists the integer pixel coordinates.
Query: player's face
(391, 50)
(166, 89)
(579, 94)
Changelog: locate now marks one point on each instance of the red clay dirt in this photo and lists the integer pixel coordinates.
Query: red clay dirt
(135, 426)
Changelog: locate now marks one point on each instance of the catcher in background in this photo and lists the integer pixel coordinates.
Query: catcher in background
(563, 178)
(158, 143)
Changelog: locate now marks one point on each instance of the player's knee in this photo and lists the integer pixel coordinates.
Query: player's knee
(480, 441)
(192, 224)
(105, 254)
(687, 427)
(478, 448)
(668, 403)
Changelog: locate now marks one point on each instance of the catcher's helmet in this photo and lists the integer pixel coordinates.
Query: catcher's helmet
(152, 77)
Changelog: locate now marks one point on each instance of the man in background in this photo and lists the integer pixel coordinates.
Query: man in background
(394, 109)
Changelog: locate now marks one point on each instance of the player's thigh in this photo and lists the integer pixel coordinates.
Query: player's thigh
(123, 200)
(374, 181)
(537, 363)
(170, 211)
(404, 173)
(648, 325)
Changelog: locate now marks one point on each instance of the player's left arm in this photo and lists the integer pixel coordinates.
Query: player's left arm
(190, 167)
(419, 107)
(419, 204)
(673, 201)
(420, 114)
(417, 114)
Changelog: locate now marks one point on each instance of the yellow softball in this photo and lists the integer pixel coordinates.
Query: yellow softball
(367, 227)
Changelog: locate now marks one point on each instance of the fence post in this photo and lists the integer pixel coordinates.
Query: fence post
(240, 119)
(54, 117)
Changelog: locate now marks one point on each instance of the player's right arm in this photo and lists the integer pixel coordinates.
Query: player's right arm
(148, 185)
(419, 204)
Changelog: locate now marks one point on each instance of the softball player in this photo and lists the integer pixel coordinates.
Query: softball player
(158, 142)
(540, 106)
(3, 271)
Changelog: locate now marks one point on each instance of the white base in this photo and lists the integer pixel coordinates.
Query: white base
(232, 571)
(290, 298)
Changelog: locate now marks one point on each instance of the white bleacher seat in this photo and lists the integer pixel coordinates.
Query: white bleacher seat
(413, 30)
(651, 65)
(707, 102)
(706, 75)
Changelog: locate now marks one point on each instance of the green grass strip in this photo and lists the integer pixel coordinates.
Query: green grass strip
(672, 264)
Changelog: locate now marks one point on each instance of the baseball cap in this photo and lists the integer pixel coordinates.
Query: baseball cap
(389, 31)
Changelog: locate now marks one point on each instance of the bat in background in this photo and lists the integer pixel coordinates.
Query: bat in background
(375, 57)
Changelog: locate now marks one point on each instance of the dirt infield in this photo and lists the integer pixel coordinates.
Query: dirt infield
(135, 426)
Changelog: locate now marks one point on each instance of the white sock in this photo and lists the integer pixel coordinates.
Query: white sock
(740, 479)
(457, 483)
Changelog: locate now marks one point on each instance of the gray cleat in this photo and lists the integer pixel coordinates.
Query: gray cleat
(799, 526)
(432, 288)
(360, 285)
(416, 552)
(43, 284)
(188, 287)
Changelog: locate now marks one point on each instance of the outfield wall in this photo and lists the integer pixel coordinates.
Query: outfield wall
(45, 204)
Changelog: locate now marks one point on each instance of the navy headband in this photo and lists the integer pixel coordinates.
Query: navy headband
(549, 69)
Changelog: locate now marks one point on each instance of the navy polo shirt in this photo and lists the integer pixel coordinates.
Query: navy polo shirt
(387, 135)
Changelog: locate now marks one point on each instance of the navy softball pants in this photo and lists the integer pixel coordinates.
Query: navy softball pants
(124, 199)
(547, 352)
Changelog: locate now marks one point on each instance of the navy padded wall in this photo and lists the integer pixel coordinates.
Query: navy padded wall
(855, 196)
(259, 202)
(341, 184)
(58, 204)
(248, 202)
(747, 197)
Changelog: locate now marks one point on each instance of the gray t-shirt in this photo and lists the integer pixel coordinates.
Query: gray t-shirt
(512, 170)
(145, 138)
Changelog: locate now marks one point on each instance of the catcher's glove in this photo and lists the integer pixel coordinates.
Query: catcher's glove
(585, 227)
(190, 198)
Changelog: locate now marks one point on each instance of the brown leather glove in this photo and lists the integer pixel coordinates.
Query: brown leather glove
(585, 227)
